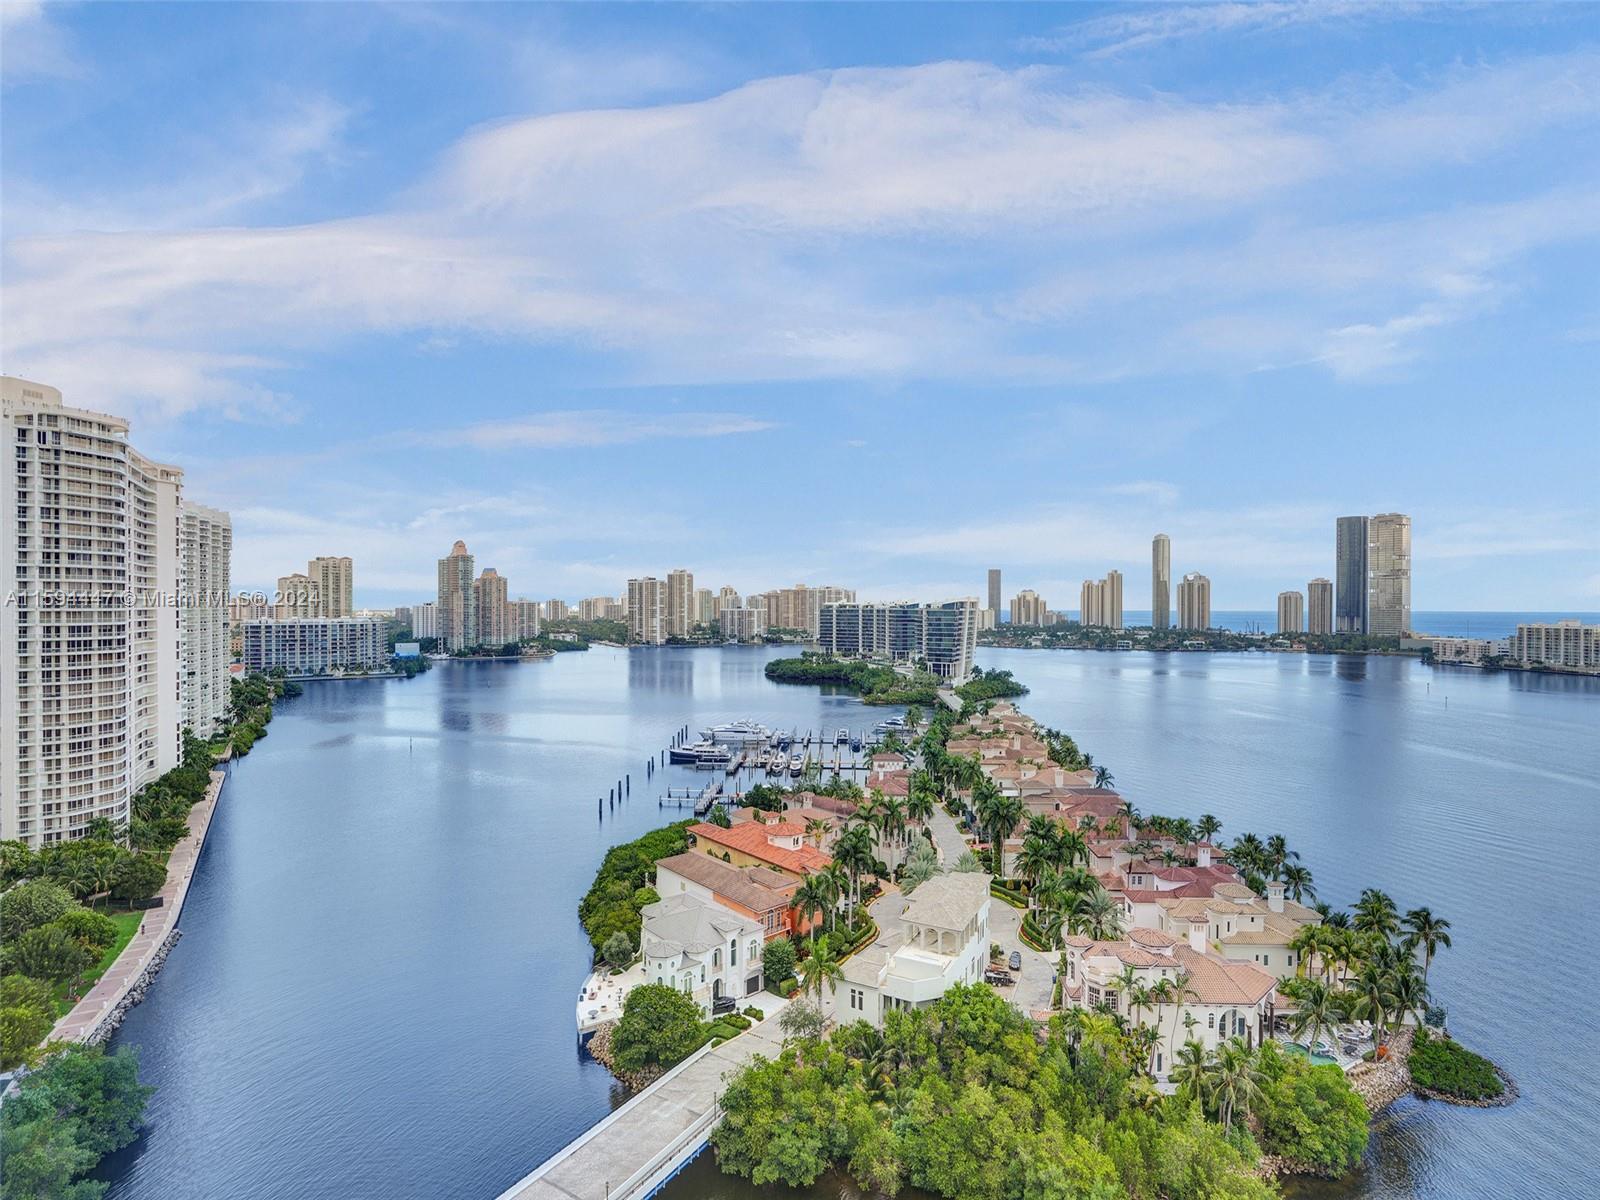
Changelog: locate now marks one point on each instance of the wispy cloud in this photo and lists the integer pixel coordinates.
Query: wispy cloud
(594, 427)
(1144, 26)
(33, 46)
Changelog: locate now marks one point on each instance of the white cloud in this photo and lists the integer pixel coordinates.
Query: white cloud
(1143, 26)
(952, 220)
(33, 47)
(594, 428)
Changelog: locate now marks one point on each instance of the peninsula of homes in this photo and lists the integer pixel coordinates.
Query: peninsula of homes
(1185, 926)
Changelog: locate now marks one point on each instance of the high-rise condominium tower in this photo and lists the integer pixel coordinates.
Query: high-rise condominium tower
(1160, 582)
(646, 620)
(493, 617)
(994, 594)
(1194, 602)
(1027, 608)
(680, 612)
(334, 579)
(1319, 605)
(1389, 575)
(1111, 609)
(1291, 612)
(458, 609)
(1350, 575)
(207, 553)
(91, 685)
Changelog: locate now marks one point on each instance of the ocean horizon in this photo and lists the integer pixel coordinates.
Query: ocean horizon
(1443, 623)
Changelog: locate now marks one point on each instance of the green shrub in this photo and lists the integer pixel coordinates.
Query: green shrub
(660, 1027)
(1449, 1068)
(754, 1013)
(778, 959)
(783, 987)
(737, 1020)
(1310, 1113)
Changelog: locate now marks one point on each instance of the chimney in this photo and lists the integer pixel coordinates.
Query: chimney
(1197, 934)
(1202, 855)
(1275, 896)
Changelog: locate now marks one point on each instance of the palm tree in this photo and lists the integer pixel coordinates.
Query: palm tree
(1189, 1070)
(1410, 992)
(1297, 882)
(1233, 1081)
(920, 797)
(1208, 827)
(1126, 982)
(811, 898)
(1248, 854)
(1375, 913)
(1073, 847)
(1428, 932)
(1318, 1007)
(1100, 916)
(1374, 998)
(1004, 813)
(892, 820)
(1279, 854)
(1103, 777)
(819, 969)
(854, 852)
(1308, 942)
(816, 830)
(1181, 990)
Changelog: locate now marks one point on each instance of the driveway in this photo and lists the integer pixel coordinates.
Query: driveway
(947, 837)
(1036, 982)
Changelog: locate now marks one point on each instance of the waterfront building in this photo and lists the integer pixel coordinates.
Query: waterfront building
(646, 625)
(297, 597)
(741, 624)
(1319, 606)
(1568, 644)
(1291, 612)
(994, 596)
(92, 678)
(988, 618)
(1350, 575)
(944, 635)
(1161, 582)
(555, 610)
(1111, 600)
(782, 847)
(1240, 925)
(940, 939)
(1224, 998)
(678, 611)
(1091, 599)
(522, 620)
(800, 607)
(705, 606)
(425, 620)
(315, 645)
(701, 948)
(728, 597)
(402, 616)
(1028, 608)
(489, 598)
(207, 554)
(1463, 650)
(759, 893)
(950, 638)
(334, 581)
(458, 615)
(1194, 602)
(1389, 575)
(594, 608)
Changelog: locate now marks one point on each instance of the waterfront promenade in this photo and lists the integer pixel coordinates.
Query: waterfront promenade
(639, 1147)
(85, 1020)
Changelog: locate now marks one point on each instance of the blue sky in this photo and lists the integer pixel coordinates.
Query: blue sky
(878, 295)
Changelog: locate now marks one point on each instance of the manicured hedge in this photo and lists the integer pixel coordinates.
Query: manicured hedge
(1449, 1068)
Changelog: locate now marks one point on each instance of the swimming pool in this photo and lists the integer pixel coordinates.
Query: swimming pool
(1320, 1060)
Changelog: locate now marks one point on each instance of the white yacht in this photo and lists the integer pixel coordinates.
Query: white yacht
(738, 733)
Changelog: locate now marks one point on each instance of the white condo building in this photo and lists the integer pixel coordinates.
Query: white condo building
(646, 611)
(945, 635)
(315, 645)
(207, 554)
(1291, 612)
(91, 681)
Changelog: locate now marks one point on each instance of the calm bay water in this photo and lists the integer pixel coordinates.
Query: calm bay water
(373, 995)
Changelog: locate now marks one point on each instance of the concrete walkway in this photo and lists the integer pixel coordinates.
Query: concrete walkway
(947, 837)
(644, 1142)
(111, 987)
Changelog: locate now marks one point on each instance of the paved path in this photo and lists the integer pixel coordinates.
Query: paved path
(111, 987)
(947, 837)
(1036, 984)
(629, 1153)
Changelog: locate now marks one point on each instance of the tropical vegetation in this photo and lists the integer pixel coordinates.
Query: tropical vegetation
(621, 885)
(1439, 1064)
(876, 684)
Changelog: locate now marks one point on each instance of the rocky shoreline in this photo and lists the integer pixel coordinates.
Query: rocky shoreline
(599, 1047)
(109, 1024)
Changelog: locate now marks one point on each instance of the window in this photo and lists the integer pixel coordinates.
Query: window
(1211, 1020)
(733, 953)
(858, 1000)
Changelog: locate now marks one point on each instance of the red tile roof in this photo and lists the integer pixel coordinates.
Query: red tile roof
(751, 837)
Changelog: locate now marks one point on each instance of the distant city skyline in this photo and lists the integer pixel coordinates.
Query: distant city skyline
(783, 298)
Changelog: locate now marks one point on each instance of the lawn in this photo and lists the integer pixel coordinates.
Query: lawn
(127, 922)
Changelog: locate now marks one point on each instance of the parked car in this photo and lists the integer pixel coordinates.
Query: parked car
(721, 1005)
(998, 978)
(1016, 960)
